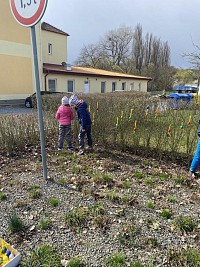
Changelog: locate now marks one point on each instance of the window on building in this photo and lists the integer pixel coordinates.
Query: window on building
(50, 49)
(103, 87)
(70, 86)
(52, 85)
(131, 86)
(113, 86)
(140, 86)
(123, 86)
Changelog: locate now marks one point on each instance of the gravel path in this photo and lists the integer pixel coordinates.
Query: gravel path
(123, 184)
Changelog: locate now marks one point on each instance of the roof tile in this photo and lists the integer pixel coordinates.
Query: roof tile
(47, 27)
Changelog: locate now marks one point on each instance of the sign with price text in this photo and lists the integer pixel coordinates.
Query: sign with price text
(28, 12)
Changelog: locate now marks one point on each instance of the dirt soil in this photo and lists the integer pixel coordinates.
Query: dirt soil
(122, 203)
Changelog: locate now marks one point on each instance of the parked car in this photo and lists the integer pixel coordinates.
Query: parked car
(30, 101)
(178, 100)
(185, 89)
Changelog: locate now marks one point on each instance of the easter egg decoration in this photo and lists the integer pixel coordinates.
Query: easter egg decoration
(11, 256)
(8, 252)
(3, 250)
(181, 126)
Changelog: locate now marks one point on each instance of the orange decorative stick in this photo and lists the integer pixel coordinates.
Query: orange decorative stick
(189, 122)
(169, 131)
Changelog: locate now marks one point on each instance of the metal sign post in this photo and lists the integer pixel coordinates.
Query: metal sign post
(28, 13)
(39, 102)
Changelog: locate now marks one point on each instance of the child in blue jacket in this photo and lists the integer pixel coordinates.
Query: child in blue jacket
(196, 159)
(84, 121)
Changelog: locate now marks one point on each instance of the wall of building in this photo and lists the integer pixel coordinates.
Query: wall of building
(95, 83)
(15, 56)
(59, 47)
(17, 75)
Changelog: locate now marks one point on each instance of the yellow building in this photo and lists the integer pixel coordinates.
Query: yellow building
(15, 57)
(17, 80)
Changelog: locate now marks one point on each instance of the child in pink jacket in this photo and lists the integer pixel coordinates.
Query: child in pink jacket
(65, 115)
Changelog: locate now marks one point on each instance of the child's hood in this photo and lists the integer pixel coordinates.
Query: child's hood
(83, 105)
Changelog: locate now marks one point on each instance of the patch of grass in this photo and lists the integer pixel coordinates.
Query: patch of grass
(166, 214)
(71, 156)
(126, 198)
(76, 169)
(35, 191)
(193, 257)
(34, 187)
(184, 257)
(53, 202)
(149, 181)
(145, 163)
(76, 217)
(116, 260)
(137, 264)
(138, 175)
(126, 184)
(152, 222)
(151, 242)
(150, 205)
(107, 178)
(75, 262)
(163, 176)
(44, 224)
(3, 196)
(15, 224)
(171, 198)
(101, 221)
(62, 182)
(120, 212)
(127, 236)
(185, 224)
(43, 255)
(113, 195)
(179, 179)
(96, 208)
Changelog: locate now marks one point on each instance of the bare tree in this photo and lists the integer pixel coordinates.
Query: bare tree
(138, 48)
(116, 45)
(147, 49)
(194, 60)
(125, 50)
(90, 56)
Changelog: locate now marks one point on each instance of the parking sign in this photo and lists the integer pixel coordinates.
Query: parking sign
(28, 12)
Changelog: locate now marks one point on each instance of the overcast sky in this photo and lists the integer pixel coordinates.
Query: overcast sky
(86, 21)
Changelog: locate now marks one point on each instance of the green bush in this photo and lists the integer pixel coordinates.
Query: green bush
(127, 125)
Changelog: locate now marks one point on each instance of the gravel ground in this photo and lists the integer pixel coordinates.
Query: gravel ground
(123, 184)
